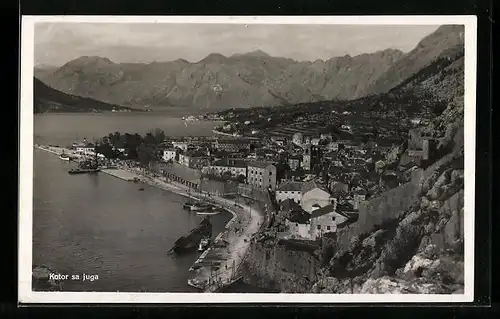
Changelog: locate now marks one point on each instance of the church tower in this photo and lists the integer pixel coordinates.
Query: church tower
(306, 158)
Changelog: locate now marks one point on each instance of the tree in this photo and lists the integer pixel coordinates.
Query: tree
(149, 139)
(241, 178)
(106, 150)
(159, 136)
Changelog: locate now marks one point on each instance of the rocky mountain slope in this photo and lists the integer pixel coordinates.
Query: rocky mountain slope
(246, 80)
(427, 50)
(253, 79)
(46, 99)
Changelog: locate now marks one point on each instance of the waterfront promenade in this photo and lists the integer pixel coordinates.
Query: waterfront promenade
(218, 265)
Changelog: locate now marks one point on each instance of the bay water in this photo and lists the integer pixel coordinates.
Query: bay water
(102, 228)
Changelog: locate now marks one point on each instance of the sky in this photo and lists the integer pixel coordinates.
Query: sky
(58, 43)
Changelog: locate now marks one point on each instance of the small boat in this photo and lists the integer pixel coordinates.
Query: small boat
(64, 157)
(82, 170)
(204, 243)
(141, 189)
(188, 205)
(200, 208)
(209, 212)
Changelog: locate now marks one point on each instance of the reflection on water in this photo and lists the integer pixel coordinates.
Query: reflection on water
(99, 225)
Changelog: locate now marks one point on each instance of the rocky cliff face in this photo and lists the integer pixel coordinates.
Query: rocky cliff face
(284, 266)
(416, 250)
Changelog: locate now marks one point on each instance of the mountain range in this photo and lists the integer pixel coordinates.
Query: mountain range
(246, 80)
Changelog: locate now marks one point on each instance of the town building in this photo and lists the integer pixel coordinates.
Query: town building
(289, 190)
(232, 145)
(169, 155)
(297, 138)
(294, 162)
(325, 136)
(332, 146)
(315, 141)
(297, 223)
(324, 220)
(358, 197)
(181, 145)
(232, 166)
(420, 146)
(261, 175)
(193, 159)
(306, 157)
(314, 194)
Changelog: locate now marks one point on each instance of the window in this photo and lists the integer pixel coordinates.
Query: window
(319, 227)
(270, 173)
(297, 224)
(260, 173)
(333, 218)
(327, 227)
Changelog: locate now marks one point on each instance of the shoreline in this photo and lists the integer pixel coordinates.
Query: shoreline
(235, 240)
(169, 187)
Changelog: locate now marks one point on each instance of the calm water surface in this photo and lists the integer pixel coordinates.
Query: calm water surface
(100, 225)
(65, 128)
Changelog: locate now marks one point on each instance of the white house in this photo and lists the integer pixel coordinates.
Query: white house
(313, 194)
(169, 154)
(326, 220)
(289, 190)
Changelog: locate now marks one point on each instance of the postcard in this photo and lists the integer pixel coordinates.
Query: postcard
(239, 159)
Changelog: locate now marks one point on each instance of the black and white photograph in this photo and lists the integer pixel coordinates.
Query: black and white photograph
(247, 159)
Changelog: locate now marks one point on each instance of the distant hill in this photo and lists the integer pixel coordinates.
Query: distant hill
(46, 99)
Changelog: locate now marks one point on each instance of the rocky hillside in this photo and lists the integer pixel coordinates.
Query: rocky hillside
(46, 99)
(410, 238)
(245, 80)
(427, 50)
(419, 249)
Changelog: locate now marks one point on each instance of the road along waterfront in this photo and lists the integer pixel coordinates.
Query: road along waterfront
(219, 264)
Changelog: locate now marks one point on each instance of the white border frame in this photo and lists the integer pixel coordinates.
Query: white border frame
(26, 295)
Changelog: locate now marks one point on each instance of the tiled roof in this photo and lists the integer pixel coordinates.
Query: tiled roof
(290, 186)
(299, 216)
(312, 185)
(230, 163)
(235, 141)
(259, 164)
(322, 211)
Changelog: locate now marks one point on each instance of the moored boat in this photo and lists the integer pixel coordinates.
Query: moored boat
(190, 241)
(201, 207)
(204, 243)
(83, 170)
